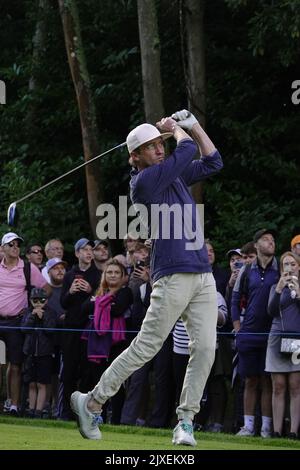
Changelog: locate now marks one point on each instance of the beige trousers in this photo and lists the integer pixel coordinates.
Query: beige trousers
(194, 298)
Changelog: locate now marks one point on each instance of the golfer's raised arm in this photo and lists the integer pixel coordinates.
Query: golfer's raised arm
(187, 121)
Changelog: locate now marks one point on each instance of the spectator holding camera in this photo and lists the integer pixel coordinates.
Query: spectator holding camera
(284, 307)
(141, 268)
(38, 349)
(78, 284)
(130, 241)
(236, 262)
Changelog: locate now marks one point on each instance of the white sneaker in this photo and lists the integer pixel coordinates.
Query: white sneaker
(265, 433)
(87, 421)
(183, 434)
(244, 431)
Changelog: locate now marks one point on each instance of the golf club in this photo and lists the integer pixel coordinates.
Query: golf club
(12, 210)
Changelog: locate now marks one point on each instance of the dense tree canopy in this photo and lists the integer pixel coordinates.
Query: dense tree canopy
(252, 51)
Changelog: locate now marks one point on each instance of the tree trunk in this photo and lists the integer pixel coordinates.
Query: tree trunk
(192, 34)
(39, 43)
(150, 57)
(194, 37)
(87, 111)
(38, 51)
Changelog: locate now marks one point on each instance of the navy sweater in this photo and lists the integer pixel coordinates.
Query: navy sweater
(256, 318)
(167, 183)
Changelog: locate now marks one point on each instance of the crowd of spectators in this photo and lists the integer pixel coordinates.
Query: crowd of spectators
(63, 324)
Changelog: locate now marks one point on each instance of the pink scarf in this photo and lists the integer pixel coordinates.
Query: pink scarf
(102, 319)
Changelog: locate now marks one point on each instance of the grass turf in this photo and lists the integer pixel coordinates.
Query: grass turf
(24, 434)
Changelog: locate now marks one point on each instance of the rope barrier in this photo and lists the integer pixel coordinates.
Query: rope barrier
(219, 333)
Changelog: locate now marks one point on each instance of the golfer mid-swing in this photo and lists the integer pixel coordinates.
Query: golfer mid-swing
(183, 285)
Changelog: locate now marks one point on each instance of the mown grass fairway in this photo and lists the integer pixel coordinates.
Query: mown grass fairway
(24, 434)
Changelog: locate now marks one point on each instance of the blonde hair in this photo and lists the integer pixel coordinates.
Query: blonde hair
(103, 286)
(288, 253)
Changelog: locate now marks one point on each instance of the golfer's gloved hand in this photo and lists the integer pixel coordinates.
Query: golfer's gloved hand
(184, 119)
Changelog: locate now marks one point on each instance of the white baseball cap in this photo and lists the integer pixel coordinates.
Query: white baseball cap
(142, 134)
(9, 237)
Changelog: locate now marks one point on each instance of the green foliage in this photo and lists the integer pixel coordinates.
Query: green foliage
(254, 124)
(51, 212)
(252, 58)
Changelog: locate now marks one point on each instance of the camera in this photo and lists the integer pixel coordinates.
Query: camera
(238, 264)
(139, 264)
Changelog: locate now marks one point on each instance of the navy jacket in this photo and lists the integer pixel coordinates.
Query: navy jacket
(285, 311)
(72, 302)
(39, 342)
(167, 183)
(256, 318)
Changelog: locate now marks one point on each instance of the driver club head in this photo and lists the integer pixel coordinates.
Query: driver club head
(12, 215)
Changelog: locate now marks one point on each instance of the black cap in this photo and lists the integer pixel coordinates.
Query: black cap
(37, 293)
(262, 232)
(101, 242)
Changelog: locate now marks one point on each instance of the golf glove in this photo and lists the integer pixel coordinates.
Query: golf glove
(184, 119)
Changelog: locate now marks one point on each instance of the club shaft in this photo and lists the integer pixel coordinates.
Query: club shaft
(68, 173)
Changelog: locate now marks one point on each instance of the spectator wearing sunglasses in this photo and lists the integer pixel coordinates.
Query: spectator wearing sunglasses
(35, 255)
(39, 321)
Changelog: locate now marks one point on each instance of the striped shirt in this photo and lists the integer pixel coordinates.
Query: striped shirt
(180, 336)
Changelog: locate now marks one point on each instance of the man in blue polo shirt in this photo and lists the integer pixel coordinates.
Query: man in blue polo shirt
(252, 289)
(183, 285)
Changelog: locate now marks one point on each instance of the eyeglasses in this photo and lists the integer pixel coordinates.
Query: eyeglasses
(35, 252)
(16, 244)
(41, 301)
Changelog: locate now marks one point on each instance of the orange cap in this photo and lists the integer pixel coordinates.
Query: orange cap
(295, 240)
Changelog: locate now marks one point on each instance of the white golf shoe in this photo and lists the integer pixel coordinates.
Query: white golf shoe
(183, 434)
(88, 422)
